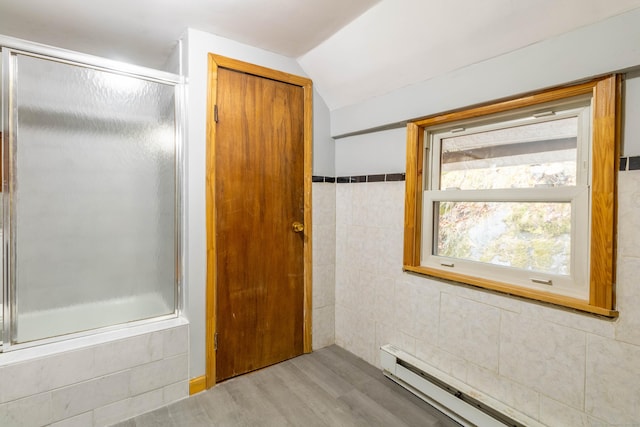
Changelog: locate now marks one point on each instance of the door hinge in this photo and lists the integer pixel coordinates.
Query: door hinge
(215, 113)
(215, 341)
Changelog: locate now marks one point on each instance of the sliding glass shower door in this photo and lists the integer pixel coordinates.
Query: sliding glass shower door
(92, 197)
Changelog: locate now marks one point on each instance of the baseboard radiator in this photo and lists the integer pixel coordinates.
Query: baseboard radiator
(457, 400)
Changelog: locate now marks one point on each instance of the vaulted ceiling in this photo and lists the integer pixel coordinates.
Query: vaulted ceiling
(145, 32)
(353, 50)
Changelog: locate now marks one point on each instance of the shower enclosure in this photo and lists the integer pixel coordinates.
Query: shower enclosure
(90, 194)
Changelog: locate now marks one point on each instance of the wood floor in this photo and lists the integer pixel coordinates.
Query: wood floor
(329, 387)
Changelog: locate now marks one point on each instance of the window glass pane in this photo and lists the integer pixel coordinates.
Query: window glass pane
(94, 199)
(531, 236)
(527, 156)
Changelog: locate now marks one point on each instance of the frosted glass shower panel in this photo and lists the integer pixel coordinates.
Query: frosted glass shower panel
(94, 198)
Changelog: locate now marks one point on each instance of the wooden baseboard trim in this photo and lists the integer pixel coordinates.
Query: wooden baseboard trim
(197, 384)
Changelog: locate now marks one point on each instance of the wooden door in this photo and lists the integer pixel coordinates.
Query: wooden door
(259, 208)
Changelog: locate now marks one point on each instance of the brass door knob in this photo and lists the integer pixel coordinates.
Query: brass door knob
(297, 227)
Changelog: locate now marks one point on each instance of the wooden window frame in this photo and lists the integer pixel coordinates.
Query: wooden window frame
(605, 142)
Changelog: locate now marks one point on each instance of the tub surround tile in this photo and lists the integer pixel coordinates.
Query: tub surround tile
(75, 366)
(122, 354)
(174, 392)
(546, 357)
(82, 420)
(174, 341)
(158, 374)
(82, 397)
(67, 388)
(613, 381)
(127, 408)
(31, 411)
(23, 379)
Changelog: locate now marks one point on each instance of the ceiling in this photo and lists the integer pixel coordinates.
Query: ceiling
(352, 49)
(397, 43)
(145, 32)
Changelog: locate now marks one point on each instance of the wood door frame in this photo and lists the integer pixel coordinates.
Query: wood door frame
(215, 62)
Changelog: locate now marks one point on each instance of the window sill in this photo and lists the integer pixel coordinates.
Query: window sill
(513, 290)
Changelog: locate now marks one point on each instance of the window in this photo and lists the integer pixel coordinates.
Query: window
(519, 196)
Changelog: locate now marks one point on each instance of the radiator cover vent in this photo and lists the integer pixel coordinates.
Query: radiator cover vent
(468, 406)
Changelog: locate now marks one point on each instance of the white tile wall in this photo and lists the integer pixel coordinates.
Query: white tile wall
(469, 329)
(558, 366)
(546, 357)
(324, 264)
(510, 392)
(369, 218)
(613, 380)
(97, 385)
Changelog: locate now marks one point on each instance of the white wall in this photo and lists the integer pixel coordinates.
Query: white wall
(197, 45)
(385, 151)
(558, 366)
(398, 43)
(601, 48)
(323, 145)
(371, 153)
(630, 145)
